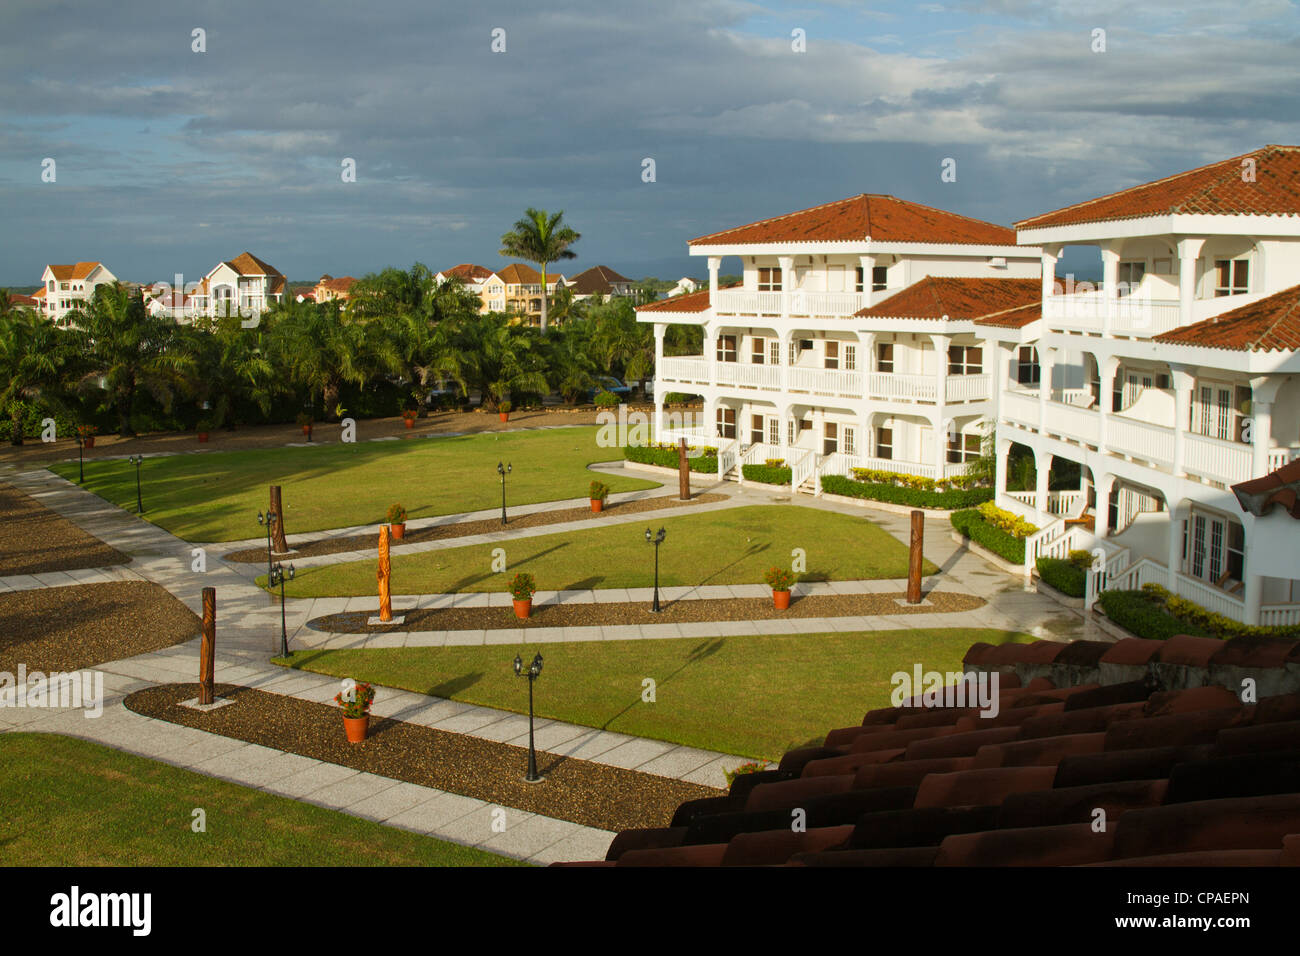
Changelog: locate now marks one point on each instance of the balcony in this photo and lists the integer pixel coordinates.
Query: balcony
(741, 302)
(1133, 315)
(811, 305)
(824, 381)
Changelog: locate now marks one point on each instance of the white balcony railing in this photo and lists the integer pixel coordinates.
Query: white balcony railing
(686, 370)
(968, 388)
(742, 302)
(1277, 457)
(1218, 460)
(1081, 424)
(1153, 443)
(1020, 407)
(1131, 315)
(749, 376)
(835, 305)
(824, 381)
(893, 385)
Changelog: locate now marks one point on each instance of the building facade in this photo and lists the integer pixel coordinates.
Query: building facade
(244, 285)
(67, 288)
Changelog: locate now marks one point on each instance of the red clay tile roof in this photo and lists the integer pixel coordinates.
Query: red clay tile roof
(957, 298)
(19, 300)
(1282, 487)
(1269, 325)
(519, 274)
(1016, 318)
(79, 270)
(468, 271)
(598, 280)
(686, 302)
(340, 285)
(247, 264)
(1217, 189)
(867, 216)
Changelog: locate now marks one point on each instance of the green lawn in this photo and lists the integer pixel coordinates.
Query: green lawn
(69, 802)
(731, 546)
(754, 696)
(216, 496)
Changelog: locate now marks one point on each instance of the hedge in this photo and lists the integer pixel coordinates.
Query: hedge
(912, 497)
(1066, 576)
(667, 458)
(972, 524)
(768, 474)
(1144, 614)
(1203, 619)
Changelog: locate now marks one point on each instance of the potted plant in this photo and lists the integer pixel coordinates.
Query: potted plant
(522, 588)
(599, 492)
(503, 409)
(779, 580)
(397, 519)
(203, 426)
(87, 433)
(305, 420)
(408, 416)
(356, 711)
(744, 768)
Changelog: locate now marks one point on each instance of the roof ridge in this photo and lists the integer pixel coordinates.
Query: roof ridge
(787, 215)
(1286, 313)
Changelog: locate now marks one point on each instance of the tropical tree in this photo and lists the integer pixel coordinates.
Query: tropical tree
(500, 358)
(570, 366)
(34, 355)
(128, 350)
(541, 238)
(621, 342)
(236, 364)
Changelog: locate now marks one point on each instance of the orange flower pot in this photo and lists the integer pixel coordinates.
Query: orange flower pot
(505, 416)
(356, 728)
(523, 608)
(203, 436)
(597, 505)
(306, 430)
(781, 600)
(399, 531)
(88, 441)
(410, 422)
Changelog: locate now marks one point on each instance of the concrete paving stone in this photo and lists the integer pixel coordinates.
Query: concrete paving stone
(528, 836)
(591, 746)
(472, 828)
(469, 721)
(188, 751)
(634, 753)
(677, 762)
(324, 778)
(467, 638)
(578, 845)
(391, 801)
(351, 790)
(434, 710)
(551, 736)
(440, 810)
(510, 727)
(610, 595)
(713, 773)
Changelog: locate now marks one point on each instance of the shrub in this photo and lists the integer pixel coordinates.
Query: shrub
(1064, 575)
(774, 462)
(505, 406)
(410, 414)
(665, 456)
(678, 398)
(767, 474)
(599, 491)
(744, 768)
(606, 400)
(1214, 625)
(778, 579)
(522, 586)
(972, 524)
(911, 497)
(359, 705)
(1143, 613)
(396, 514)
(1007, 521)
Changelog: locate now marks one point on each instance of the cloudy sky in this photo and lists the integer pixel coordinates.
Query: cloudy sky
(168, 160)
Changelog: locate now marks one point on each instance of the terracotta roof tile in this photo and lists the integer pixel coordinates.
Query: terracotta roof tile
(687, 302)
(340, 285)
(469, 272)
(880, 218)
(519, 274)
(1216, 189)
(1268, 325)
(247, 264)
(937, 297)
(598, 280)
(1281, 487)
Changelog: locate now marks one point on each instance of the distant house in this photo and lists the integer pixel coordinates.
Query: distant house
(66, 288)
(171, 305)
(20, 301)
(243, 285)
(523, 290)
(684, 286)
(599, 280)
(329, 289)
(485, 283)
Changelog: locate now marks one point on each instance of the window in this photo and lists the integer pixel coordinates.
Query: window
(832, 359)
(963, 448)
(774, 352)
(1214, 549)
(756, 429)
(726, 348)
(774, 431)
(885, 443)
(879, 278)
(726, 419)
(789, 431)
(1130, 276)
(830, 438)
(1212, 412)
(885, 357)
(850, 358)
(850, 440)
(965, 360)
(769, 280)
(758, 353)
(1163, 267)
(1232, 276)
(1028, 371)
(794, 353)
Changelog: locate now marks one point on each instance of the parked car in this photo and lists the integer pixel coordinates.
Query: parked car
(610, 384)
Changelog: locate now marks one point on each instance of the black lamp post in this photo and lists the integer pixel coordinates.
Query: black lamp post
(534, 669)
(503, 470)
(656, 540)
(137, 460)
(267, 519)
(278, 574)
(81, 459)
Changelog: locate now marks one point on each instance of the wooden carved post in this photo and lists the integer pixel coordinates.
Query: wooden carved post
(683, 472)
(385, 577)
(278, 542)
(914, 566)
(208, 646)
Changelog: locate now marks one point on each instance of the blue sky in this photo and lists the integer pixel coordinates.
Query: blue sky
(170, 160)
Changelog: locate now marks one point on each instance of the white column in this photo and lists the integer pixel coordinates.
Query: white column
(1254, 597)
(941, 343)
(1046, 366)
(868, 264)
(660, 329)
(1000, 474)
(787, 283)
(1261, 435)
(1107, 369)
(1104, 483)
(711, 333)
(715, 263)
(1189, 250)
(1050, 256)
(1175, 551)
(1109, 283)
(1043, 466)
(783, 412)
(1182, 381)
(784, 338)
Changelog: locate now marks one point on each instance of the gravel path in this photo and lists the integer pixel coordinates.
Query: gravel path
(673, 612)
(34, 539)
(463, 529)
(591, 794)
(81, 625)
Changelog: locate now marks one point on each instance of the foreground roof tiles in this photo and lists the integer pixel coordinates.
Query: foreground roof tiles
(938, 297)
(1282, 487)
(687, 302)
(1217, 189)
(1272, 324)
(873, 216)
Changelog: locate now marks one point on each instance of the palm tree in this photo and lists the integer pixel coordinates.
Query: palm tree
(569, 362)
(128, 350)
(621, 342)
(236, 367)
(540, 238)
(33, 356)
(499, 358)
